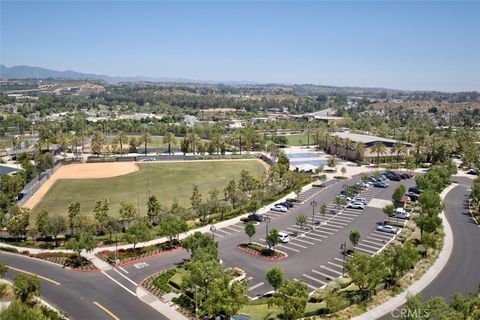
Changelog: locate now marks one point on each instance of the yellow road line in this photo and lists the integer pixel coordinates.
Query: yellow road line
(106, 310)
(34, 274)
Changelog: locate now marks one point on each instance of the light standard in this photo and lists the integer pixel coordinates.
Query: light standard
(313, 203)
(267, 220)
(343, 248)
(116, 244)
(212, 230)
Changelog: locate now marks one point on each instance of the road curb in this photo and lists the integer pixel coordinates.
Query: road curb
(427, 278)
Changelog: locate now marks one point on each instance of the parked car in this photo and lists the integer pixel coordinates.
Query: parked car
(412, 196)
(393, 177)
(356, 205)
(387, 228)
(283, 237)
(415, 190)
(360, 199)
(255, 217)
(287, 204)
(279, 208)
(401, 213)
(403, 176)
(381, 185)
(344, 197)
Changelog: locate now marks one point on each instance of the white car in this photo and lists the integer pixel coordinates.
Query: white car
(356, 205)
(387, 228)
(360, 199)
(283, 237)
(400, 213)
(279, 208)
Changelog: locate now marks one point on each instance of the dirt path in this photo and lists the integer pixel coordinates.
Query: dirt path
(82, 171)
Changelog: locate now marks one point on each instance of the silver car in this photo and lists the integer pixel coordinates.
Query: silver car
(387, 228)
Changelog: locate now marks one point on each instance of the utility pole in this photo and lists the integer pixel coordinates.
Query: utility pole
(313, 203)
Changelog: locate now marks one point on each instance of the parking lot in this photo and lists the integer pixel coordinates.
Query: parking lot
(314, 254)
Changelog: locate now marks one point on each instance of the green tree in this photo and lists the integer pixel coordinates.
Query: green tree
(25, 288)
(73, 213)
(291, 298)
(122, 139)
(185, 146)
(398, 193)
(133, 144)
(22, 311)
(17, 224)
(81, 242)
(389, 209)
(427, 223)
(96, 145)
(275, 277)
(200, 241)
(399, 259)
(250, 230)
(301, 220)
(153, 209)
(169, 139)
(100, 212)
(172, 226)
(56, 225)
(41, 221)
(138, 232)
(196, 199)
(380, 149)
(354, 238)
(231, 193)
(127, 212)
(366, 272)
(323, 209)
(272, 238)
(225, 296)
(145, 138)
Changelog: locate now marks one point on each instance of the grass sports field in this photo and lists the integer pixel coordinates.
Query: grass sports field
(168, 181)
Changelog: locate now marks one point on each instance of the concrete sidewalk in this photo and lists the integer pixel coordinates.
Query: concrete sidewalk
(425, 280)
(165, 309)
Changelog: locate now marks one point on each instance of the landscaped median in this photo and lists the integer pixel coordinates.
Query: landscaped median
(261, 251)
(132, 255)
(68, 260)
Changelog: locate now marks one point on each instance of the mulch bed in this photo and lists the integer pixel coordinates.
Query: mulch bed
(261, 251)
(69, 260)
(127, 256)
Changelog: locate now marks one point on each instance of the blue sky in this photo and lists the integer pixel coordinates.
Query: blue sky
(405, 45)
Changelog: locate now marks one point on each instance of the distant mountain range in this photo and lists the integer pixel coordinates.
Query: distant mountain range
(29, 72)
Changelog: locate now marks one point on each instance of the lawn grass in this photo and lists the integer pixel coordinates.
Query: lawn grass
(168, 181)
(157, 141)
(298, 139)
(263, 312)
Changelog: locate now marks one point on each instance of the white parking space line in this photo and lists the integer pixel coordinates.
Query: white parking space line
(337, 223)
(336, 265)
(127, 278)
(293, 229)
(373, 242)
(230, 228)
(346, 214)
(288, 248)
(291, 243)
(311, 236)
(123, 270)
(219, 235)
(313, 279)
(338, 259)
(274, 213)
(256, 286)
(377, 239)
(346, 219)
(366, 245)
(323, 274)
(330, 227)
(320, 231)
(383, 235)
(308, 284)
(222, 231)
(365, 250)
(304, 241)
(331, 270)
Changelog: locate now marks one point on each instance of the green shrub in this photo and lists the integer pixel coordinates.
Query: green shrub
(161, 282)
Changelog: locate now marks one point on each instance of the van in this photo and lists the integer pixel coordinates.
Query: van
(283, 237)
(401, 213)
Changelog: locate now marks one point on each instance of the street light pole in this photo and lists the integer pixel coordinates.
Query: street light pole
(212, 230)
(267, 220)
(313, 203)
(116, 245)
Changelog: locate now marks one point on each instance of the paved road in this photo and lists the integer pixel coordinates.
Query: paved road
(77, 291)
(461, 274)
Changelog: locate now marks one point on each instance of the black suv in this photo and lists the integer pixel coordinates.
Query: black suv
(255, 217)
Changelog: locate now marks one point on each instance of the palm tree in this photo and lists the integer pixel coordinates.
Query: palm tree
(378, 148)
(62, 141)
(121, 138)
(169, 139)
(238, 137)
(399, 149)
(192, 138)
(360, 150)
(348, 145)
(217, 141)
(307, 133)
(323, 134)
(336, 141)
(145, 138)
